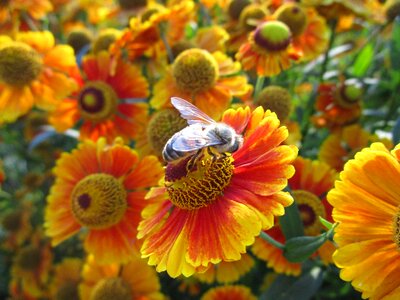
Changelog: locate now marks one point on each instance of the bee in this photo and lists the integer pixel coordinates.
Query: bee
(202, 131)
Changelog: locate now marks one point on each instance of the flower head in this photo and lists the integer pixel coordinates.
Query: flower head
(67, 275)
(237, 292)
(366, 205)
(213, 205)
(100, 188)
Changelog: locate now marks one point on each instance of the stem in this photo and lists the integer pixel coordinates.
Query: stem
(271, 241)
(324, 66)
(165, 42)
(259, 85)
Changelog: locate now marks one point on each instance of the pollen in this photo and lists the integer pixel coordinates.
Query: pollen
(29, 258)
(293, 16)
(97, 101)
(195, 70)
(162, 126)
(198, 181)
(311, 208)
(99, 201)
(19, 65)
(273, 36)
(276, 99)
(111, 288)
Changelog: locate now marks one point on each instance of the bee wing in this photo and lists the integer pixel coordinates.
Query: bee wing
(191, 138)
(190, 112)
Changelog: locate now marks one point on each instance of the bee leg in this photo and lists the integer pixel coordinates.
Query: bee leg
(212, 154)
(192, 161)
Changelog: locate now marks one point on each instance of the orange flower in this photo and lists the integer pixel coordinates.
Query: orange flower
(67, 275)
(32, 73)
(212, 206)
(366, 205)
(14, 9)
(269, 49)
(208, 80)
(101, 188)
(103, 107)
(134, 280)
(229, 292)
(309, 185)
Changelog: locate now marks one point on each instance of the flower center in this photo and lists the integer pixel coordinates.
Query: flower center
(12, 221)
(277, 99)
(132, 4)
(250, 16)
(19, 65)
(199, 180)
(396, 228)
(29, 258)
(97, 101)
(164, 124)
(105, 39)
(99, 201)
(310, 207)
(79, 38)
(111, 288)
(273, 36)
(195, 70)
(236, 7)
(293, 16)
(67, 291)
(348, 95)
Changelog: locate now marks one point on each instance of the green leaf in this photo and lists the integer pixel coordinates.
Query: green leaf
(291, 223)
(395, 45)
(296, 288)
(363, 61)
(326, 223)
(298, 249)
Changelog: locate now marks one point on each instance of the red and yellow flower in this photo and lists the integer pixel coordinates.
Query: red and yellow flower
(366, 204)
(134, 280)
(31, 73)
(103, 105)
(101, 188)
(309, 185)
(211, 206)
(229, 292)
(207, 80)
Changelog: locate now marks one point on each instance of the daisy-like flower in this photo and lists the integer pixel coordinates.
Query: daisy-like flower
(309, 31)
(227, 272)
(337, 105)
(101, 188)
(207, 80)
(211, 207)
(269, 49)
(310, 184)
(134, 280)
(30, 269)
(237, 292)
(366, 203)
(341, 146)
(12, 10)
(31, 73)
(66, 278)
(102, 107)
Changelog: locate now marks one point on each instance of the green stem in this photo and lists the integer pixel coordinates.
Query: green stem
(271, 240)
(165, 42)
(259, 85)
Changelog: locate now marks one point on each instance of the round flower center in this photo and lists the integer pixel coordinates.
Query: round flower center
(29, 258)
(250, 16)
(348, 95)
(276, 99)
(79, 38)
(132, 4)
(310, 207)
(293, 16)
(199, 180)
(105, 39)
(12, 221)
(67, 291)
(99, 201)
(236, 7)
(19, 65)
(149, 13)
(195, 70)
(97, 101)
(273, 36)
(111, 288)
(164, 124)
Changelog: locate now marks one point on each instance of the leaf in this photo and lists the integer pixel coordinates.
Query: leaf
(363, 61)
(291, 223)
(326, 223)
(296, 288)
(298, 249)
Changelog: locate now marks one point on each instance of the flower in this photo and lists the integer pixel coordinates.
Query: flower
(67, 275)
(309, 185)
(237, 292)
(12, 10)
(213, 205)
(208, 80)
(102, 106)
(276, 99)
(101, 188)
(366, 203)
(268, 50)
(134, 280)
(31, 73)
